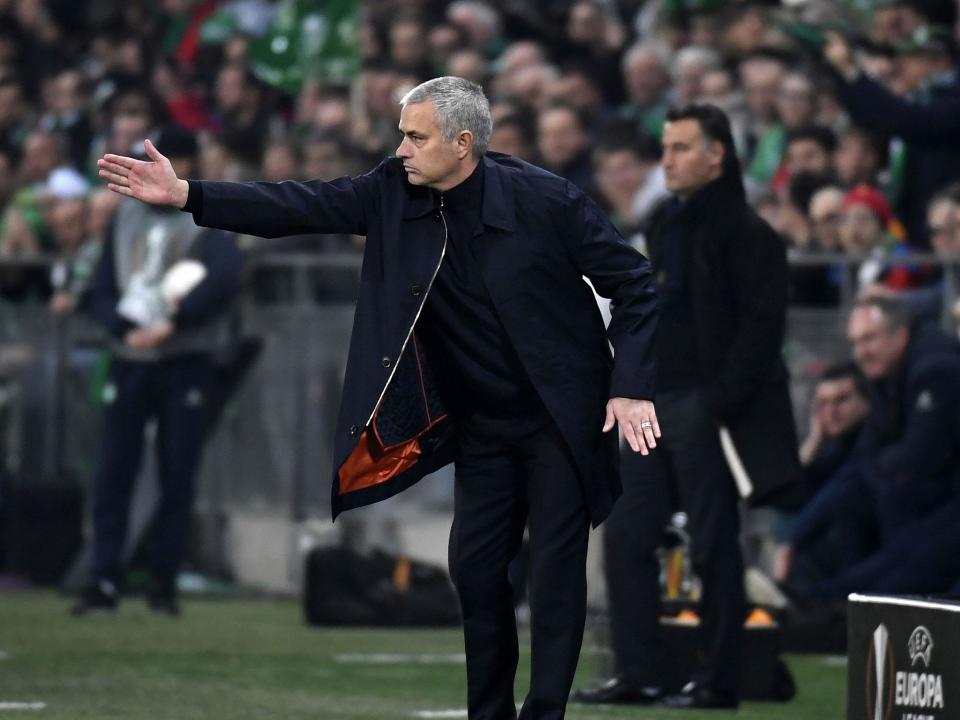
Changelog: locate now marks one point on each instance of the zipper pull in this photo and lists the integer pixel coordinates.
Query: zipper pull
(441, 202)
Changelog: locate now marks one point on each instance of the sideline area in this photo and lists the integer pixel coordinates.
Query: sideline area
(241, 659)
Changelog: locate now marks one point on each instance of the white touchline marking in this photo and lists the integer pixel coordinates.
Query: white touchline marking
(835, 660)
(23, 705)
(440, 714)
(399, 658)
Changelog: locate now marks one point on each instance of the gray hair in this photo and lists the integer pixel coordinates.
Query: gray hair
(460, 105)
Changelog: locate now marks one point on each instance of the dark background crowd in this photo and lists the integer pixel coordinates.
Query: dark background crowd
(848, 147)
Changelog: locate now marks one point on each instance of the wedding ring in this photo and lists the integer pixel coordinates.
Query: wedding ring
(646, 424)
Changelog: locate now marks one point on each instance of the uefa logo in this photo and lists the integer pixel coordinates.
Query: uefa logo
(880, 675)
(920, 646)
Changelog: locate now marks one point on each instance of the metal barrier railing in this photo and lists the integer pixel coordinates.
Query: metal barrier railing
(272, 446)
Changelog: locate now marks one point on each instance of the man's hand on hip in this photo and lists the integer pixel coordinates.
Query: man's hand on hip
(637, 420)
(152, 182)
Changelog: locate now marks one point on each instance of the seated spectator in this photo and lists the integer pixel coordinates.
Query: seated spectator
(840, 406)
(904, 490)
(795, 107)
(825, 214)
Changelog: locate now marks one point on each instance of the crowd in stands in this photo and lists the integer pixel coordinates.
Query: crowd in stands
(848, 143)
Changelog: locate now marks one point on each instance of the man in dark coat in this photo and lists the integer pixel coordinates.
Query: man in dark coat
(908, 457)
(721, 382)
(476, 340)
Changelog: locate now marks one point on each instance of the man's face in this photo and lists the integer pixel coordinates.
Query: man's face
(619, 176)
(559, 137)
(860, 230)
(67, 220)
(807, 156)
(689, 161)
(839, 406)
(644, 77)
(826, 213)
(854, 160)
(877, 349)
(428, 160)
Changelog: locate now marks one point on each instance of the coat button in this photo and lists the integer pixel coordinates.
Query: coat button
(353, 429)
(385, 362)
(415, 290)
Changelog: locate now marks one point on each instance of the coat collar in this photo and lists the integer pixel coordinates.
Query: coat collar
(498, 201)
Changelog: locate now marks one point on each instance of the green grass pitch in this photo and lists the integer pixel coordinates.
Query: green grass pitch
(240, 659)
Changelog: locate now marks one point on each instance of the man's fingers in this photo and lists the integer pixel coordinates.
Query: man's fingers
(121, 189)
(610, 419)
(650, 438)
(121, 160)
(112, 177)
(152, 152)
(630, 433)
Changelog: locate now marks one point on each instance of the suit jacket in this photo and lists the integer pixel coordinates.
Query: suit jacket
(541, 236)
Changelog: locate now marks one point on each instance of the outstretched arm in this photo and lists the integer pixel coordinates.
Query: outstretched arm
(264, 209)
(152, 182)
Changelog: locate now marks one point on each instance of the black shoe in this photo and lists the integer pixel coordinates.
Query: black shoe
(98, 598)
(619, 689)
(162, 598)
(697, 696)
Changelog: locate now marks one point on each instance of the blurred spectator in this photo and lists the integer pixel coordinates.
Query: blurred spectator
(908, 459)
(795, 106)
(65, 102)
(926, 121)
(839, 409)
(809, 149)
(563, 144)
(240, 113)
(859, 157)
(162, 342)
(690, 64)
(16, 117)
(408, 52)
(826, 214)
(647, 82)
(513, 135)
(629, 180)
(279, 161)
(761, 76)
(480, 22)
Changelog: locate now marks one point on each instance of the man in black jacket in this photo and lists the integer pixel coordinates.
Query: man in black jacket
(476, 340)
(721, 271)
(162, 343)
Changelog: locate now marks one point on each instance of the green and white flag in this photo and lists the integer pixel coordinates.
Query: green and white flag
(314, 39)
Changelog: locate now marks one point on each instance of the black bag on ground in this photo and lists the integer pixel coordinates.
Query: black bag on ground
(343, 587)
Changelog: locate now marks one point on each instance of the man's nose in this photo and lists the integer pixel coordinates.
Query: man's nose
(402, 149)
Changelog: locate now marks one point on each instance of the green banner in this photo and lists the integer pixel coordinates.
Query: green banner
(314, 39)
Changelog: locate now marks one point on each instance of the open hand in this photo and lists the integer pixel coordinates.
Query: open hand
(637, 420)
(152, 182)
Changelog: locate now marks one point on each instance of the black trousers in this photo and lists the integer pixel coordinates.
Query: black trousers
(687, 471)
(176, 393)
(503, 482)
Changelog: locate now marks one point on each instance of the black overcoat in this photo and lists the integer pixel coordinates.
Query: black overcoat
(738, 281)
(541, 236)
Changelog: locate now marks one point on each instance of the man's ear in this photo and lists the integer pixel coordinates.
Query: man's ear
(464, 143)
(716, 151)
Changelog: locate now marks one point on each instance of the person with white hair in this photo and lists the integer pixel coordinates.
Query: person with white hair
(475, 341)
